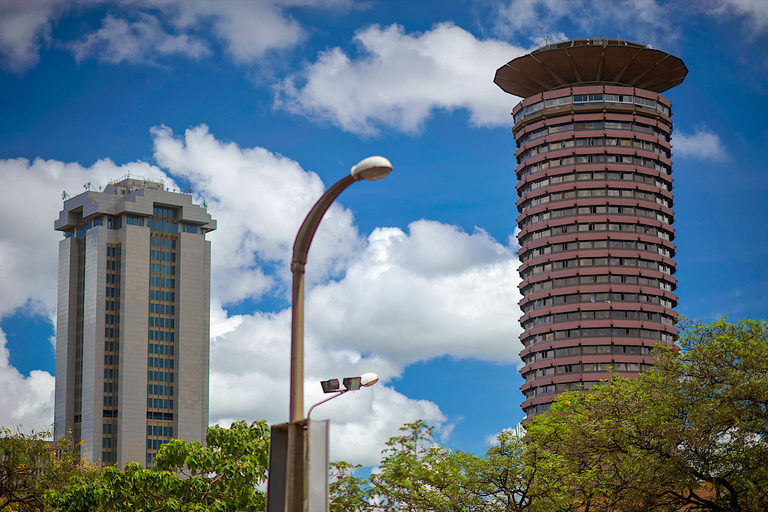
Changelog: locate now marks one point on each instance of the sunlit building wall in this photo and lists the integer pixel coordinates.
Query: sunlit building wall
(132, 341)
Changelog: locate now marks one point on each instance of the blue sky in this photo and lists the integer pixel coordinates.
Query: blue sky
(259, 106)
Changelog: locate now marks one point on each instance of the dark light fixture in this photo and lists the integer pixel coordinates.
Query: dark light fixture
(330, 386)
(352, 383)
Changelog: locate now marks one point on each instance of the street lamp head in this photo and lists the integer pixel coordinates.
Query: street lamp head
(368, 379)
(372, 168)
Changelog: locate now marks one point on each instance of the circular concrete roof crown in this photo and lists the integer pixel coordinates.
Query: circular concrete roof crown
(591, 61)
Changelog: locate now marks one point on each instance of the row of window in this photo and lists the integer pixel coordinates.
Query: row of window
(156, 348)
(162, 309)
(163, 226)
(588, 227)
(165, 416)
(112, 346)
(561, 282)
(112, 305)
(110, 387)
(111, 332)
(595, 192)
(550, 266)
(167, 213)
(165, 243)
(645, 316)
(629, 126)
(558, 388)
(111, 373)
(585, 368)
(160, 376)
(159, 389)
(162, 295)
(133, 220)
(160, 403)
(598, 332)
(112, 291)
(112, 278)
(160, 430)
(573, 211)
(586, 350)
(625, 245)
(639, 161)
(107, 413)
(111, 319)
(157, 254)
(159, 321)
(110, 401)
(161, 268)
(113, 251)
(593, 142)
(593, 298)
(111, 359)
(160, 362)
(162, 282)
(155, 335)
(592, 176)
(189, 228)
(578, 100)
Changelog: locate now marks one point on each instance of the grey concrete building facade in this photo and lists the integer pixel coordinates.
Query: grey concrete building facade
(132, 339)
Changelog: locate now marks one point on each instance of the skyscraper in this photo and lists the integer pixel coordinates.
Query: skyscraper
(132, 338)
(595, 202)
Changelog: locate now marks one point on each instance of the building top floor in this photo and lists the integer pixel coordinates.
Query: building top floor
(137, 197)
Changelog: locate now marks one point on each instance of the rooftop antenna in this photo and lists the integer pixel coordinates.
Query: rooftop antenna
(64, 195)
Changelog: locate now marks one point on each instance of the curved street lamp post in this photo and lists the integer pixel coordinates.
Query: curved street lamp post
(371, 169)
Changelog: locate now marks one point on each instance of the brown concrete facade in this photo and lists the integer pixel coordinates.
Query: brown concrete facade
(596, 226)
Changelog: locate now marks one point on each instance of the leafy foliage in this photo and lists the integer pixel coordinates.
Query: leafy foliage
(30, 464)
(691, 433)
(220, 477)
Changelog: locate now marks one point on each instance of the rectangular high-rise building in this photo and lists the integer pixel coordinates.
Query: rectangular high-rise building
(132, 338)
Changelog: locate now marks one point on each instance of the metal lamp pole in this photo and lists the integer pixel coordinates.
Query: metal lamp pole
(372, 168)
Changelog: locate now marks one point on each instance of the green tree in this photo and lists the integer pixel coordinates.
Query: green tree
(690, 433)
(30, 464)
(348, 493)
(502, 480)
(222, 476)
(417, 474)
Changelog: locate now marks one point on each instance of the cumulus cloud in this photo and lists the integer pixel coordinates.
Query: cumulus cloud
(259, 199)
(28, 243)
(396, 297)
(703, 144)
(140, 41)
(398, 79)
(642, 20)
(24, 26)
(26, 401)
(754, 12)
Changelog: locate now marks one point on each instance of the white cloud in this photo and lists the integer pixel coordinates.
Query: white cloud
(641, 20)
(703, 144)
(399, 79)
(396, 297)
(27, 401)
(259, 200)
(28, 243)
(23, 25)
(754, 12)
(140, 41)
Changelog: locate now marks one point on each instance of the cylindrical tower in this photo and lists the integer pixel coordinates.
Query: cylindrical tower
(595, 201)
